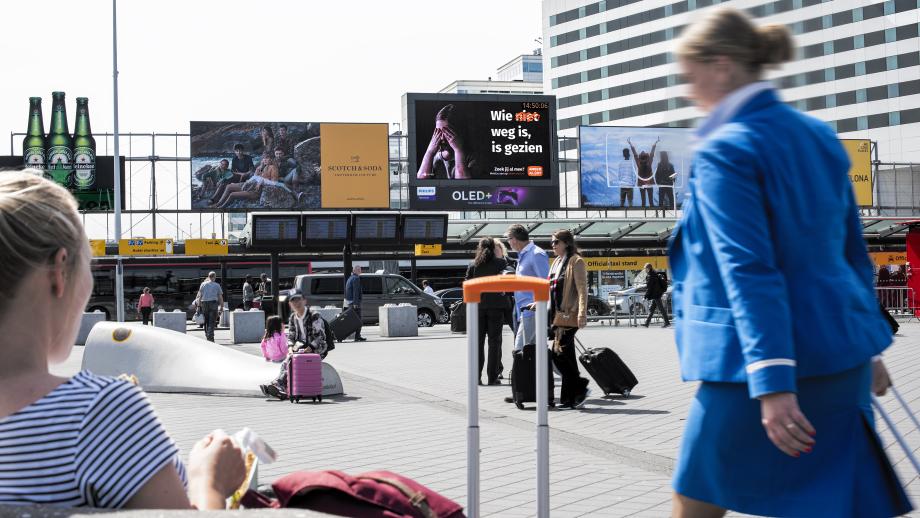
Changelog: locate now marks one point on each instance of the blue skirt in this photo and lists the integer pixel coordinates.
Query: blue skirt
(727, 459)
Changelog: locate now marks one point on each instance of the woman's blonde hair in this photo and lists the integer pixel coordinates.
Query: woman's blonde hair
(37, 218)
(728, 32)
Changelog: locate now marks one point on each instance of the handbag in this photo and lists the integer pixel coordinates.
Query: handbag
(561, 319)
(377, 494)
(198, 318)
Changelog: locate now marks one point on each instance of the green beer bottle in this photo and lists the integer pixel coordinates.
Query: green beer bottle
(60, 144)
(33, 147)
(84, 149)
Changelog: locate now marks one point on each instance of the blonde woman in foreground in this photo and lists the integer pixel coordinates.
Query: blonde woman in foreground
(86, 441)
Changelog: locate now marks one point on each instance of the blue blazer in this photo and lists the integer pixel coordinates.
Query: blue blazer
(772, 281)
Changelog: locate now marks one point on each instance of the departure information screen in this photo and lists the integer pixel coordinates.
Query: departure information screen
(325, 228)
(375, 228)
(267, 230)
(423, 229)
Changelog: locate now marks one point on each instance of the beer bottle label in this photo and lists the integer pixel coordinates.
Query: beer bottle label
(35, 158)
(84, 160)
(60, 160)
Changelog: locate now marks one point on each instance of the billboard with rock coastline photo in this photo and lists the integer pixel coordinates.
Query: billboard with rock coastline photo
(289, 165)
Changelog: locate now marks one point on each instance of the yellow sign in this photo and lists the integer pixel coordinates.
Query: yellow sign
(354, 160)
(887, 258)
(97, 247)
(860, 155)
(421, 250)
(207, 247)
(141, 246)
(602, 264)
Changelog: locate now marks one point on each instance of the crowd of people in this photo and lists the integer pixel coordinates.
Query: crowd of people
(241, 179)
(781, 423)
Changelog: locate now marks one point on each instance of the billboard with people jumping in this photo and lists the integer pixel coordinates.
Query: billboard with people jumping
(485, 152)
(289, 165)
(625, 167)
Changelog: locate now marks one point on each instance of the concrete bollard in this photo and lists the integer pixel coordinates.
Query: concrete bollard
(89, 320)
(247, 326)
(399, 320)
(174, 321)
(224, 316)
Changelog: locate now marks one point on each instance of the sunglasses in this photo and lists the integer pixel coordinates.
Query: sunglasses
(555, 242)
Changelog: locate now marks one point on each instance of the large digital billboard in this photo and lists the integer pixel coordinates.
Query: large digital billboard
(481, 152)
(289, 165)
(624, 167)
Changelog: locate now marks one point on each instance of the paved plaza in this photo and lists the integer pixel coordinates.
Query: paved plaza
(404, 410)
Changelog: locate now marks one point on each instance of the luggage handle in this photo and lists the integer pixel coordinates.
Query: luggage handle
(584, 350)
(894, 431)
(472, 295)
(474, 288)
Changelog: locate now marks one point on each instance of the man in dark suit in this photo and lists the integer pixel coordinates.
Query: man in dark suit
(353, 296)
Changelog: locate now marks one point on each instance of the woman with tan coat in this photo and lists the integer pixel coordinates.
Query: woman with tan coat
(568, 278)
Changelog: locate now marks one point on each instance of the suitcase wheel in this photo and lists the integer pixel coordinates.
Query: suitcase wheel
(320, 398)
(626, 393)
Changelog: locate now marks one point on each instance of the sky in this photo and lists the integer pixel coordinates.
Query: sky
(287, 60)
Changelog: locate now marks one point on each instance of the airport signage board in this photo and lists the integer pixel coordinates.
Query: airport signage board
(602, 264)
(207, 247)
(145, 247)
(97, 247)
(427, 250)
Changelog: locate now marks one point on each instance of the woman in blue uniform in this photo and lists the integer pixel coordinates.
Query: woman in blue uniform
(773, 295)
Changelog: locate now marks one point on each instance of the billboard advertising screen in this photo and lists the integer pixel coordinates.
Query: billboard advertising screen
(481, 152)
(625, 167)
(860, 153)
(289, 165)
(99, 196)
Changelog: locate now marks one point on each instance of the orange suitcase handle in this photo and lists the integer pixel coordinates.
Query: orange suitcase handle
(474, 288)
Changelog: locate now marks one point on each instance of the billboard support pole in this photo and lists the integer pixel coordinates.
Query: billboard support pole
(346, 264)
(275, 279)
(119, 267)
(153, 181)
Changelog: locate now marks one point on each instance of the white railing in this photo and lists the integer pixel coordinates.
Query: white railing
(897, 299)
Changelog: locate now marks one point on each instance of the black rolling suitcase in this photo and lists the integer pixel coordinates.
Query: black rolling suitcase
(523, 376)
(458, 317)
(607, 369)
(346, 324)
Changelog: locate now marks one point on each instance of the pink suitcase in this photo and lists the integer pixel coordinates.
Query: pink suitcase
(305, 377)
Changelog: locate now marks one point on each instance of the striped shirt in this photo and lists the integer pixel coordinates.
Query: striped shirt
(94, 441)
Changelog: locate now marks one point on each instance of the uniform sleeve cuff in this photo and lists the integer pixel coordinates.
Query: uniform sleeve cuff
(768, 379)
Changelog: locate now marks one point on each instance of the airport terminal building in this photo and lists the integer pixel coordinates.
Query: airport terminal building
(857, 65)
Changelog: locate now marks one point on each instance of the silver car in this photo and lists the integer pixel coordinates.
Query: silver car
(631, 301)
(328, 289)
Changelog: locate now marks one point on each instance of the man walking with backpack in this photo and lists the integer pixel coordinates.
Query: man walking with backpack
(655, 287)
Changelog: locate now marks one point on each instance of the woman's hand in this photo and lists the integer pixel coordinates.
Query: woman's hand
(433, 144)
(582, 321)
(216, 470)
(880, 379)
(785, 423)
(453, 140)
